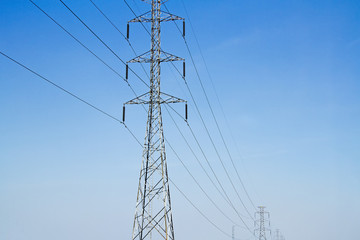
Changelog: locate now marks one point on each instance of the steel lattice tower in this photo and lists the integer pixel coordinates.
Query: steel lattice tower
(278, 235)
(153, 214)
(261, 218)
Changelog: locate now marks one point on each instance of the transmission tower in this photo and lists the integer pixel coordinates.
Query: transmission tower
(278, 235)
(262, 222)
(153, 214)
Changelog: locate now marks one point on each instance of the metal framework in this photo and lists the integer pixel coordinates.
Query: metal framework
(153, 214)
(278, 235)
(261, 218)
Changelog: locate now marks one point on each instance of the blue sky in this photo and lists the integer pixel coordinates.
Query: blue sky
(286, 73)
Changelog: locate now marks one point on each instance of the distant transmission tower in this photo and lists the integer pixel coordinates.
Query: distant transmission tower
(153, 215)
(278, 235)
(262, 219)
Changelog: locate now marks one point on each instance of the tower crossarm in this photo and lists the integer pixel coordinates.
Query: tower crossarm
(164, 17)
(164, 57)
(164, 98)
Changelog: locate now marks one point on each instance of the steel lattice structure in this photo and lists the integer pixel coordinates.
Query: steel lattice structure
(153, 214)
(261, 218)
(278, 235)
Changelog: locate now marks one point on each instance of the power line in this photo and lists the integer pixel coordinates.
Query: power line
(84, 46)
(212, 170)
(168, 111)
(90, 30)
(192, 176)
(114, 118)
(70, 93)
(127, 4)
(208, 133)
(166, 108)
(190, 94)
(77, 40)
(213, 144)
(136, 5)
(117, 56)
(217, 125)
(127, 40)
(199, 211)
(89, 50)
(192, 151)
(66, 90)
(226, 197)
(154, 148)
(104, 15)
(218, 100)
